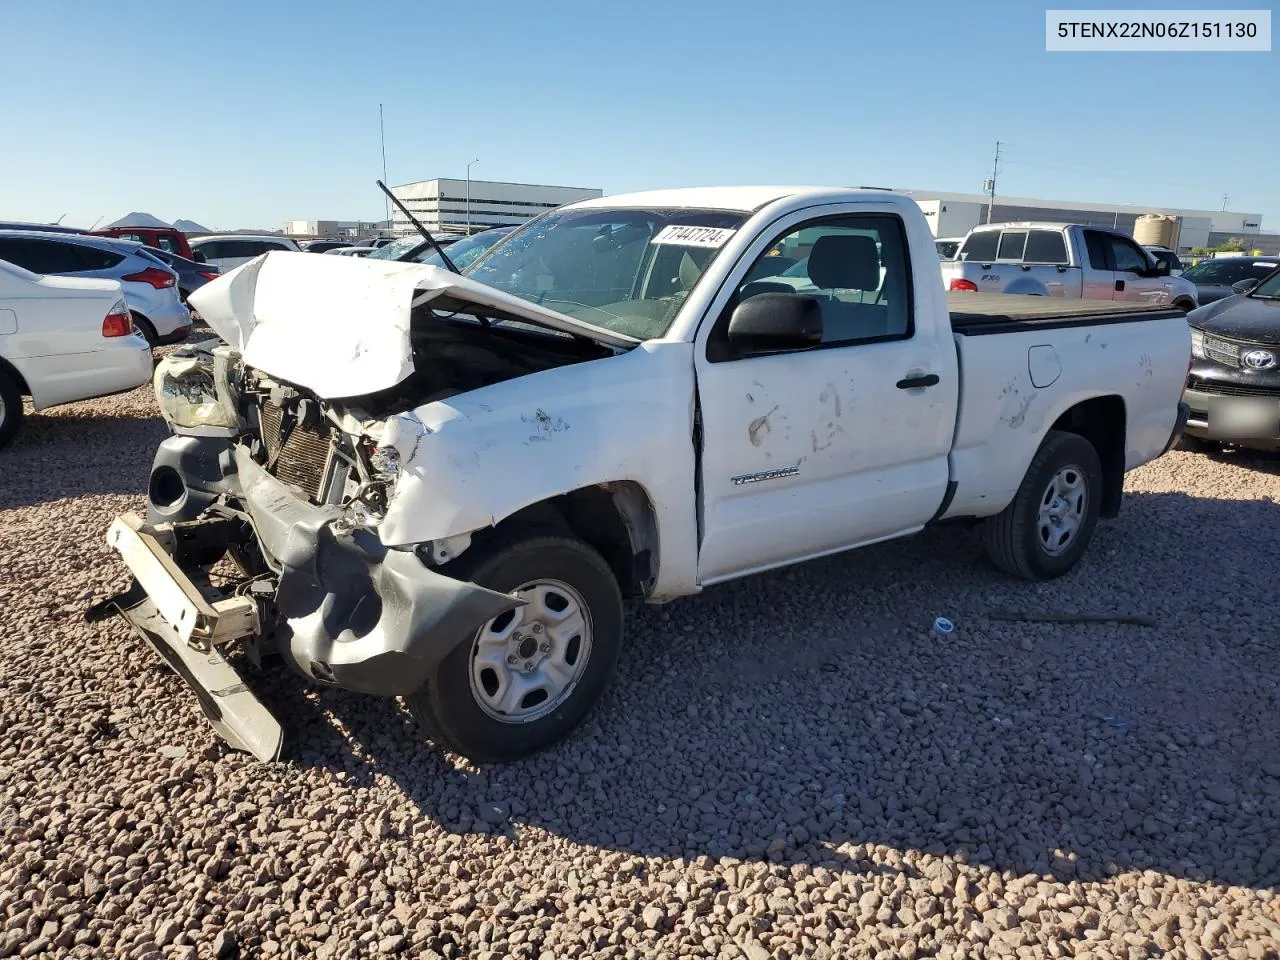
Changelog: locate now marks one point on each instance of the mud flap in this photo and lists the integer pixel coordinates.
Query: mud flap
(230, 706)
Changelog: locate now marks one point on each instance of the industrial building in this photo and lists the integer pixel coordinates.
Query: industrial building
(469, 206)
(955, 214)
(337, 229)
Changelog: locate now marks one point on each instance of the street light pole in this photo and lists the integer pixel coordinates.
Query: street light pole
(469, 195)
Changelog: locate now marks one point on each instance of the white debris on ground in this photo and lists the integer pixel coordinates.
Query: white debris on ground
(790, 766)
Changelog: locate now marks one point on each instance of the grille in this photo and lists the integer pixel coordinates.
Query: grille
(1224, 351)
(1230, 389)
(303, 460)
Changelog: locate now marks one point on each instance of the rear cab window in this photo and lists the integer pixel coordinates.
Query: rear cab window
(1012, 245)
(1046, 246)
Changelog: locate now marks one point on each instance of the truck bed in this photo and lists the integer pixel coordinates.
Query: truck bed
(975, 314)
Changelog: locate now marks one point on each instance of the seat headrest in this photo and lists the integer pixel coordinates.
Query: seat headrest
(844, 262)
(765, 286)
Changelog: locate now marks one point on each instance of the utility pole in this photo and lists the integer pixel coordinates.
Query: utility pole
(991, 184)
(382, 132)
(1226, 198)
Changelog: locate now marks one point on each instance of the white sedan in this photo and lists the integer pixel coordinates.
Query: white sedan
(63, 339)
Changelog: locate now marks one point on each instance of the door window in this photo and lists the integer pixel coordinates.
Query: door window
(41, 256)
(1126, 256)
(211, 249)
(855, 267)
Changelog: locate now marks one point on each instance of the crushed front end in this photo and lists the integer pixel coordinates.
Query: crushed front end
(261, 533)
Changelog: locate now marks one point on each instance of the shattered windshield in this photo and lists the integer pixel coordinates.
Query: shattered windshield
(627, 271)
(396, 248)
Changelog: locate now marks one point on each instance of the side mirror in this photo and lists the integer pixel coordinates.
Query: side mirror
(198, 257)
(1162, 268)
(1243, 286)
(775, 323)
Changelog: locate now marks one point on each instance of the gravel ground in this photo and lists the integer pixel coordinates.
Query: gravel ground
(787, 766)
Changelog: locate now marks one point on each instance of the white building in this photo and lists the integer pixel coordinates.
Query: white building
(955, 214)
(349, 229)
(461, 206)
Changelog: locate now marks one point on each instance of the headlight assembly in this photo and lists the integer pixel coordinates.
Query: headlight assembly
(1197, 343)
(196, 395)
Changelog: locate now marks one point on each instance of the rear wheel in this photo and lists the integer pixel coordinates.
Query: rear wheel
(1045, 531)
(10, 408)
(1185, 305)
(527, 677)
(145, 327)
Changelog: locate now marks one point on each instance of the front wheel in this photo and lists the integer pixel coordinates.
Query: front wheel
(529, 676)
(1045, 531)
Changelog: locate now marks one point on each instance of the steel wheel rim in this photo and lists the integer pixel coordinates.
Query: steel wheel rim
(4, 411)
(1063, 505)
(525, 663)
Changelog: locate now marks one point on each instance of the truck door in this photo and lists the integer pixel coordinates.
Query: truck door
(1099, 281)
(810, 452)
(1133, 279)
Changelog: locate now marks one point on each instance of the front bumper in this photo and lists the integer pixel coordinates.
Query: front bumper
(1199, 427)
(344, 609)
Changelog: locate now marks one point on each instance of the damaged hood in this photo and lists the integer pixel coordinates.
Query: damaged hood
(340, 326)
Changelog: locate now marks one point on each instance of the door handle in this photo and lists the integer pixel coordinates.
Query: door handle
(1119, 286)
(923, 380)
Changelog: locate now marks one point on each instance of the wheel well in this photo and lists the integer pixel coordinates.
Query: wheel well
(1101, 421)
(616, 518)
(1185, 305)
(12, 373)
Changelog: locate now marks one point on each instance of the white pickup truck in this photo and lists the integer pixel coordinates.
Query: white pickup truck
(1067, 260)
(442, 486)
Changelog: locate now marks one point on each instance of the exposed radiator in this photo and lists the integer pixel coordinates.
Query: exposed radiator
(304, 459)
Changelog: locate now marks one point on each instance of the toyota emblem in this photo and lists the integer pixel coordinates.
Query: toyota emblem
(1259, 359)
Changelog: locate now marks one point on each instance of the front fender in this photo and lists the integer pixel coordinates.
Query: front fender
(474, 459)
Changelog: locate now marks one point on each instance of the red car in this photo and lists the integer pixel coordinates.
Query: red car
(163, 238)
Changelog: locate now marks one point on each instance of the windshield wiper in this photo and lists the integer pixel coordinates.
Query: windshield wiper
(444, 257)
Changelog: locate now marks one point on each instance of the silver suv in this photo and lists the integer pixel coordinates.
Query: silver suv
(150, 285)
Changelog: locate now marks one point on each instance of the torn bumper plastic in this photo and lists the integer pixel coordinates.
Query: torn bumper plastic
(344, 609)
(361, 616)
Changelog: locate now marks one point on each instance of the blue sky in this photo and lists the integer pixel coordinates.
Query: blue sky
(242, 114)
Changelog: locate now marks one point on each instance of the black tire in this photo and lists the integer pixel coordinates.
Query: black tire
(1013, 538)
(1185, 305)
(445, 705)
(148, 331)
(10, 408)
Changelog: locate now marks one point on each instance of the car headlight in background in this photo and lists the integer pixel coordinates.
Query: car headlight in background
(1197, 343)
(191, 397)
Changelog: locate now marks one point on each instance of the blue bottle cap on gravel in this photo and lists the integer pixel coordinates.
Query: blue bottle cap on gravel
(943, 627)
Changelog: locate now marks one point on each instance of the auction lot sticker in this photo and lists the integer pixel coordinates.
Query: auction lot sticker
(1170, 30)
(693, 236)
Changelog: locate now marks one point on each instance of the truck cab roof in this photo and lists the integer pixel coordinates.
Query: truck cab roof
(743, 199)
